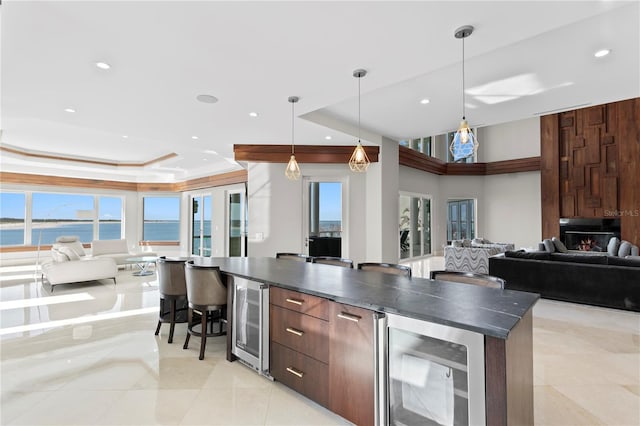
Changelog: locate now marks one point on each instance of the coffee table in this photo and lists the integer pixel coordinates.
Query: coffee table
(143, 263)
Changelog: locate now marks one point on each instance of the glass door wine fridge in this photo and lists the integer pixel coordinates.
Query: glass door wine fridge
(435, 374)
(250, 327)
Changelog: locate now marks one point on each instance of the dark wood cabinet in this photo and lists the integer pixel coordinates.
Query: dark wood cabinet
(352, 363)
(299, 342)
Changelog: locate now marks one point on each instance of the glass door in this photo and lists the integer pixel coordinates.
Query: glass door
(323, 218)
(237, 226)
(201, 225)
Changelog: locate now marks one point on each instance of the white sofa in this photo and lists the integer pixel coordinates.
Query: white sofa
(70, 264)
(116, 250)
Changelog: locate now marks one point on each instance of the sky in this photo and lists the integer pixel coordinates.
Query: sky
(58, 206)
(330, 201)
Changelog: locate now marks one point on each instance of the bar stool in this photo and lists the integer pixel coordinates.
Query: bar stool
(207, 297)
(336, 261)
(387, 268)
(173, 289)
(294, 256)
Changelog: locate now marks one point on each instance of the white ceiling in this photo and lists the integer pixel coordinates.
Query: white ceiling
(523, 59)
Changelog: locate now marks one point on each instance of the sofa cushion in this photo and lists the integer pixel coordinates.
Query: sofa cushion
(536, 255)
(559, 245)
(57, 256)
(625, 261)
(579, 258)
(99, 247)
(612, 247)
(625, 248)
(69, 252)
(548, 245)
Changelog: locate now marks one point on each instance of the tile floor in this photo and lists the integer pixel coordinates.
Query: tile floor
(87, 355)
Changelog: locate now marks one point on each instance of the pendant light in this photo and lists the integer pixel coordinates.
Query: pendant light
(464, 143)
(293, 170)
(359, 161)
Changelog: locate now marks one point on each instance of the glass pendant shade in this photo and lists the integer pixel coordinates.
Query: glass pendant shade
(359, 162)
(293, 170)
(464, 143)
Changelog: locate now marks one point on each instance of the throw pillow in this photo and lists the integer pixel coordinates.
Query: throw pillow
(612, 247)
(635, 251)
(456, 243)
(67, 239)
(559, 245)
(625, 249)
(58, 256)
(68, 251)
(477, 241)
(466, 243)
(76, 246)
(548, 245)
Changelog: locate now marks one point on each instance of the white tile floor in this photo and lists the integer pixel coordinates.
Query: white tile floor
(87, 355)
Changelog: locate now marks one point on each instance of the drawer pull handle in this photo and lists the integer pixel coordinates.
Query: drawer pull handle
(295, 301)
(350, 317)
(294, 331)
(295, 372)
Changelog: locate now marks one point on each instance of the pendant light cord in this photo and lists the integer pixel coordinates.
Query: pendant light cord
(463, 107)
(292, 126)
(359, 78)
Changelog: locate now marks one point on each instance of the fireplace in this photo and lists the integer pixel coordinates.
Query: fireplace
(588, 234)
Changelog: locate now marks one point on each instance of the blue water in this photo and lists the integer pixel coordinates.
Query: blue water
(153, 231)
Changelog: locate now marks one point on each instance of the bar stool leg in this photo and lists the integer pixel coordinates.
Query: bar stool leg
(158, 327)
(172, 320)
(203, 333)
(186, 341)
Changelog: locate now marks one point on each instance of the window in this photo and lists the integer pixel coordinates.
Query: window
(415, 226)
(460, 219)
(110, 218)
(161, 218)
(201, 225)
(12, 226)
(422, 145)
(54, 215)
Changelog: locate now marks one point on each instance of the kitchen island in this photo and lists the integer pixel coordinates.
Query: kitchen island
(501, 318)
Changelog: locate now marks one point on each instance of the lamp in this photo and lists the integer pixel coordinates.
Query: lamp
(464, 143)
(293, 170)
(359, 162)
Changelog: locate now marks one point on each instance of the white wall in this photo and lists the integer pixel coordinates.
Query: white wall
(276, 209)
(509, 141)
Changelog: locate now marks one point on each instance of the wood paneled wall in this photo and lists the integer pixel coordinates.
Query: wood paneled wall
(590, 166)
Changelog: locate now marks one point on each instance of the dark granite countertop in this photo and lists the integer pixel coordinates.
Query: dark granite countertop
(489, 311)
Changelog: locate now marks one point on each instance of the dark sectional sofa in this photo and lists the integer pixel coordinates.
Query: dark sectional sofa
(600, 280)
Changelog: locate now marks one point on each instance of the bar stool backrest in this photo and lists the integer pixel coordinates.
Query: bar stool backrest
(204, 286)
(171, 279)
(469, 278)
(294, 256)
(387, 268)
(328, 260)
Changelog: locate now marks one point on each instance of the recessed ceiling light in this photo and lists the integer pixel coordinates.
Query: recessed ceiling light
(124, 136)
(424, 101)
(207, 99)
(253, 114)
(103, 65)
(69, 110)
(328, 137)
(194, 137)
(601, 53)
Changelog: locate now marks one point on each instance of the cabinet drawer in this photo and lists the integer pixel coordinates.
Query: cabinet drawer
(301, 373)
(300, 332)
(300, 302)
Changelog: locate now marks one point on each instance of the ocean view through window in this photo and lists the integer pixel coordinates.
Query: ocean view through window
(161, 218)
(56, 214)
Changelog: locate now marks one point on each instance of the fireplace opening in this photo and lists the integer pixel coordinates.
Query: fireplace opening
(588, 234)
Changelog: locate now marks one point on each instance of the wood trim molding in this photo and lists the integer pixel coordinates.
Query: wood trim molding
(25, 153)
(304, 153)
(229, 178)
(417, 160)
